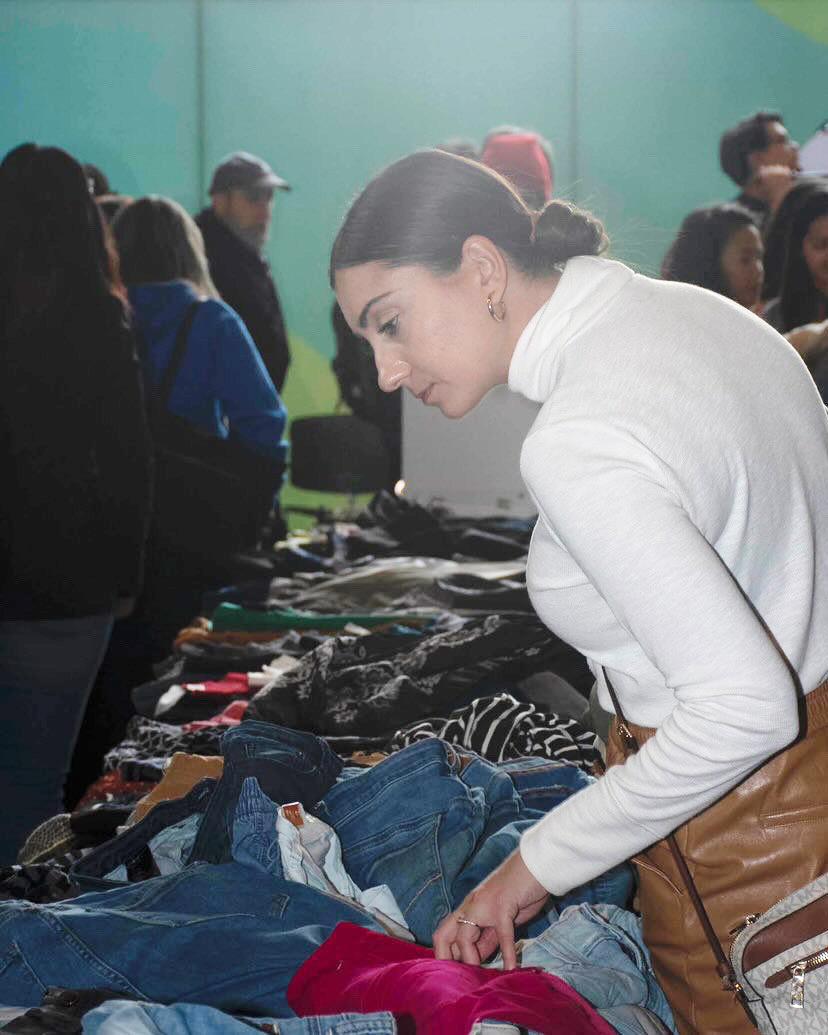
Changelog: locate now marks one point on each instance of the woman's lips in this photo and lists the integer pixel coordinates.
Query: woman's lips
(426, 395)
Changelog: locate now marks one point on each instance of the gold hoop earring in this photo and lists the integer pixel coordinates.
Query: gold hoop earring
(497, 310)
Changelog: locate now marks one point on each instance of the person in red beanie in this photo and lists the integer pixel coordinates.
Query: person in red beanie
(525, 159)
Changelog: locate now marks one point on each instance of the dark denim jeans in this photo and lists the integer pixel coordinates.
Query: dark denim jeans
(90, 872)
(230, 936)
(290, 766)
(47, 667)
(431, 822)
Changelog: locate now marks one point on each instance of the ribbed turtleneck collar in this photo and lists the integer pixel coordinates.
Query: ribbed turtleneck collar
(586, 287)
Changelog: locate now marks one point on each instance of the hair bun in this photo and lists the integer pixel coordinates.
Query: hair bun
(563, 231)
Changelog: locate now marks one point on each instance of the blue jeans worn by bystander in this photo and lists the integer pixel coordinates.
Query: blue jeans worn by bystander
(47, 668)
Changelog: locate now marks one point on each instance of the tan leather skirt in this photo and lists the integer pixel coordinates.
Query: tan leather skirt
(760, 842)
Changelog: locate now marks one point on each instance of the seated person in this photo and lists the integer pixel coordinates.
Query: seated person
(718, 248)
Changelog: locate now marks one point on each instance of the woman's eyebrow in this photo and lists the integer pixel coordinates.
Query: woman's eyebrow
(363, 316)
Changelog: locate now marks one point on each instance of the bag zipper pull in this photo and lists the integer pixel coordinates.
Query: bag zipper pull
(798, 985)
(751, 918)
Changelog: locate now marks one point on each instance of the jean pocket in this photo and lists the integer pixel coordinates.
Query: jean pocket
(405, 857)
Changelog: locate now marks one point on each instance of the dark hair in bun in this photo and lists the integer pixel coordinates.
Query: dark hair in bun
(421, 209)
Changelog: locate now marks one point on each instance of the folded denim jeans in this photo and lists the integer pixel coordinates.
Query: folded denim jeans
(122, 1018)
(432, 822)
(228, 936)
(289, 766)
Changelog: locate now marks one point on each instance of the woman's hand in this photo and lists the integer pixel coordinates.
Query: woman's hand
(488, 916)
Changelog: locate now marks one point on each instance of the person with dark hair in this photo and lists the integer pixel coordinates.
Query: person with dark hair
(803, 290)
(75, 472)
(235, 229)
(356, 374)
(718, 248)
(760, 157)
(525, 159)
(777, 229)
(679, 464)
(460, 146)
(97, 180)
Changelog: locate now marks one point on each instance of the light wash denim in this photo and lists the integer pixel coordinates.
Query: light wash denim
(432, 821)
(634, 1020)
(599, 950)
(125, 1018)
(169, 849)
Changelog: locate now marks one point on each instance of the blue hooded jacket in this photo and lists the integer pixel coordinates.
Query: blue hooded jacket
(222, 385)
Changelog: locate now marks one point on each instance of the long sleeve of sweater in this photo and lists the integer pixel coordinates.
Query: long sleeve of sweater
(609, 505)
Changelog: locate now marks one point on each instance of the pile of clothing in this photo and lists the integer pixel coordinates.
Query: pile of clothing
(323, 769)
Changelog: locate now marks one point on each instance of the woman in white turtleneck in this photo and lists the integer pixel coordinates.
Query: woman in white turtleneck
(679, 465)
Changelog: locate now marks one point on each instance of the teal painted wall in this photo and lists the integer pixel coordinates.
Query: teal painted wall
(633, 94)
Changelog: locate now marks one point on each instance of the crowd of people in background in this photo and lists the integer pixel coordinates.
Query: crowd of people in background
(108, 303)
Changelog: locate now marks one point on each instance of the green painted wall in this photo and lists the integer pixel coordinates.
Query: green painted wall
(633, 93)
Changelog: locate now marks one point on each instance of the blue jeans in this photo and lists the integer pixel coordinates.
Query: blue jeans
(47, 668)
(91, 872)
(431, 822)
(599, 950)
(289, 765)
(236, 933)
(124, 1018)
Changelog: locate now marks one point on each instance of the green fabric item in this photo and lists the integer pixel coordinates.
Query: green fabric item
(233, 617)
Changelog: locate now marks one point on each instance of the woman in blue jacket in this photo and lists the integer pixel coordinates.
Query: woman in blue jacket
(222, 386)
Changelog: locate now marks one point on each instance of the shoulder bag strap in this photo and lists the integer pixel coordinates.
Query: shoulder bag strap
(178, 353)
(724, 967)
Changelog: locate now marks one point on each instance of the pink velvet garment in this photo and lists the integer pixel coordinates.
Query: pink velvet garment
(360, 971)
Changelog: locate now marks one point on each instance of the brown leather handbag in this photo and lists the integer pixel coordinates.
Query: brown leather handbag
(724, 967)
(765, 840)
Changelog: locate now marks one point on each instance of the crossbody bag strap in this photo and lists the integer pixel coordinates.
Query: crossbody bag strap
(724, 967)
(178, 353)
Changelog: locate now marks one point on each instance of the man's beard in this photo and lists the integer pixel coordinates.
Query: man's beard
(254, 237)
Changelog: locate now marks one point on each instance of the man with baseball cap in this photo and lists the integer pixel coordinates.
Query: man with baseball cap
(235, 229)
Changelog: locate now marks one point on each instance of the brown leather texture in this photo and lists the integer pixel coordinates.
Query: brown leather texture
(755, 846)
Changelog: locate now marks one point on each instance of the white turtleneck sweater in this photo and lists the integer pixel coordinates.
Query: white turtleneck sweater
(679, 465)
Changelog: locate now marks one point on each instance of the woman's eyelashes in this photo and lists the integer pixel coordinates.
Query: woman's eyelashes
(389, 328)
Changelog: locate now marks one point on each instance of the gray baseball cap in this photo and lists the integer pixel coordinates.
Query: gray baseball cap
(240, 170)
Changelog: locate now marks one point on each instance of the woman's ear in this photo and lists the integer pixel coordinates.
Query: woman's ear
(484, 262)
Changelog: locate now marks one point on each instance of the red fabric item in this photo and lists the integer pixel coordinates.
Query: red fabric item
(231, 716)
(520, 158)
(361, 971)
(234, 684)
(113, 785)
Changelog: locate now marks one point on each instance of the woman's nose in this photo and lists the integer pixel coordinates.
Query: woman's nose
(392, 373)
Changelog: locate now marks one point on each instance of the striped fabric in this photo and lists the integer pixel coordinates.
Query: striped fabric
(502, 727)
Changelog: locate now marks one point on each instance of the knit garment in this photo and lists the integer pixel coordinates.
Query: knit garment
(679, 464)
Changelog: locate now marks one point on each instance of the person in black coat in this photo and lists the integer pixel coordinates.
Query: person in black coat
(74, 470)
(235, 229)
